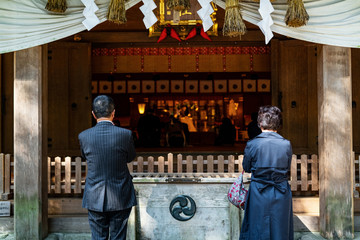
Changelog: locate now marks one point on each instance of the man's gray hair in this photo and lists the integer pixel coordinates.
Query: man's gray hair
(103, 106)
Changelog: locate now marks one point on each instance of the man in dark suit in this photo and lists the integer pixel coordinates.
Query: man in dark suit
(109, 192)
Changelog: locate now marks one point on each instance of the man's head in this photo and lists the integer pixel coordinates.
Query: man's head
(103, 107)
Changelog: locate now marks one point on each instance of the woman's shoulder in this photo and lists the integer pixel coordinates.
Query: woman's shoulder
(265, 137)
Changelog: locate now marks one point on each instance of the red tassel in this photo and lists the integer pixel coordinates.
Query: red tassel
(174, 34)
(168, 31)
(191, 34)
(163, 35)
(198, 30)
(204, 34)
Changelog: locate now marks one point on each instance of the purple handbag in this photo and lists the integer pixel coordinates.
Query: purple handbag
(237, 192)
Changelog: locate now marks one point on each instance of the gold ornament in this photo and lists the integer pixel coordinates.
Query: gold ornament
(59, 6)
(116, 12)
(234, 25)
(296, 15)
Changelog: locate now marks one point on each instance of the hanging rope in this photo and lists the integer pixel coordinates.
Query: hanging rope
(178, 5)
(59, 6)
(117, 12)
(259, 0)
(234, 25)
(296, 15)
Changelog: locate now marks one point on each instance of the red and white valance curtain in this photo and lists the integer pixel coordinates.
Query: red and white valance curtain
(25, 24)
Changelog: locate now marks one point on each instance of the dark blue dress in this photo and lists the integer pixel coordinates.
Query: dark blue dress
(268, 207)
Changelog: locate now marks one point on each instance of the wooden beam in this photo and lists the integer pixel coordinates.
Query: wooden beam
(335, 142)
(143, 37)
(29, 217)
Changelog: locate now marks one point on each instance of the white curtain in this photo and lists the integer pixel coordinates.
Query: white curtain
(26, 23)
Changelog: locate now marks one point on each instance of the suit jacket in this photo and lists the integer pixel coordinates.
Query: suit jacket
(107, 150)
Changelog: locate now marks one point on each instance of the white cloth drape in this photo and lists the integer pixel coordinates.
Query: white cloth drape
(26, 23)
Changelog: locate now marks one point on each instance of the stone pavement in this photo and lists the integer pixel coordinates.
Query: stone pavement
(87, 236)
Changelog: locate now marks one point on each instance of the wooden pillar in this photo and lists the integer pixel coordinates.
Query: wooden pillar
(30, 112)
(1, 110)
(335, 142)
(275, 94)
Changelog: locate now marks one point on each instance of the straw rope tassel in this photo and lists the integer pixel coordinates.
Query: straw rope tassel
(59, 6)
(296, 15)
(259, 0)
(116, 11)
(234, 25)
(178, 5)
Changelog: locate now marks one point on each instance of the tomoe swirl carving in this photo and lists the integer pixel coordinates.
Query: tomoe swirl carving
(182, 211)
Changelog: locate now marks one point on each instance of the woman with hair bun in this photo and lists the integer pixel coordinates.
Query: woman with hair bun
(268, 207)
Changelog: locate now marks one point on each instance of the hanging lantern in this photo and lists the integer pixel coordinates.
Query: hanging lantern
(178, 5)
(296, 15)
(141, 108)
(59, 6)
(234, 25)
(116, 11)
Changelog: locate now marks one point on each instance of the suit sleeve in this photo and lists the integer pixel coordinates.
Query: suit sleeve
(131, 150)
(247, 159)
(289, 155)
(81, 148)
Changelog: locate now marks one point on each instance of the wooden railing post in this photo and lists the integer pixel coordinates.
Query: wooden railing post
(231, 164)
(68, 175)
(304, 174)
(57, 175)
(356, 183)
(77, 175)
(210, 164)
(49, 175)
(7, 177)
(314, 173)
(189, 164)
(140, 164)
(221, 166)
(170, 163)
(179, 163)
(200, 164)
(293, 173)
(2, 173)
(240, 167)
(150, 164)
(161, 164)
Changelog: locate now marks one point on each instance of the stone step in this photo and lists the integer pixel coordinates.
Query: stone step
(80, 224)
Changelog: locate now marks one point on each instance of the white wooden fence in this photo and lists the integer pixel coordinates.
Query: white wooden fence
(6, 178)
(67, 175)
